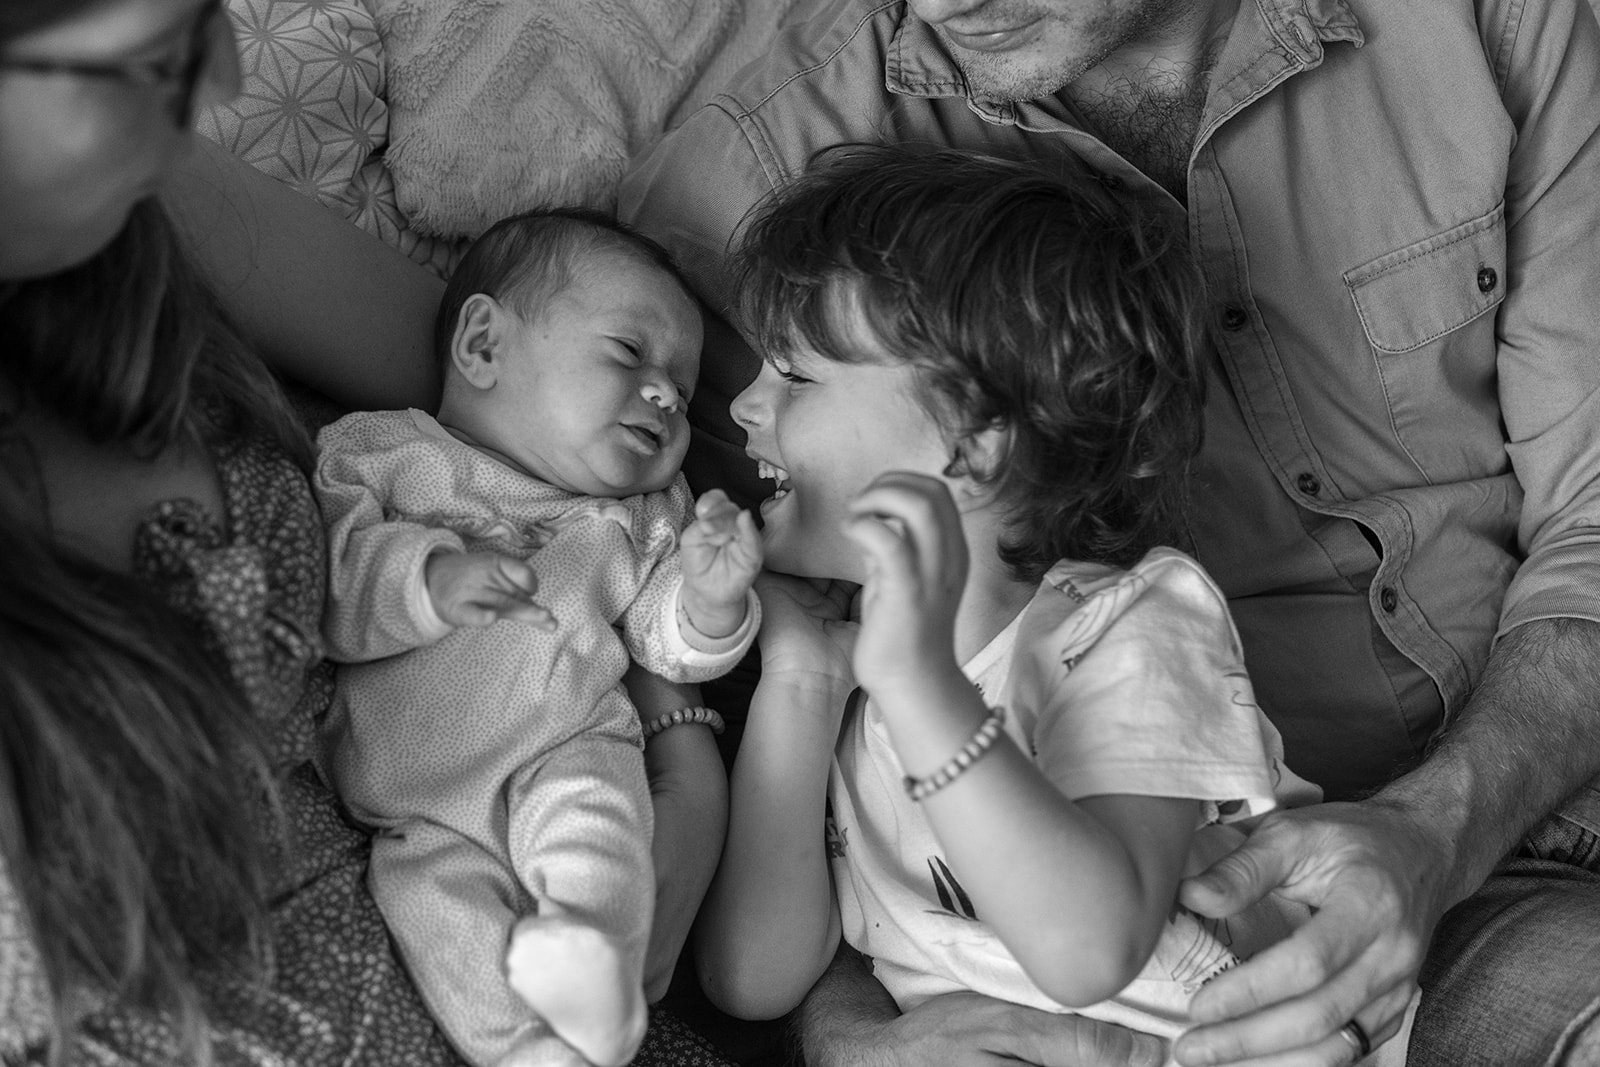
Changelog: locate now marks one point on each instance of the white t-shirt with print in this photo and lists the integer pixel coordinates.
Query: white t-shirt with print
(1115, 681)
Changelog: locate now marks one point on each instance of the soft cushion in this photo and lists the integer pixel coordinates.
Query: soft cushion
(500, 105)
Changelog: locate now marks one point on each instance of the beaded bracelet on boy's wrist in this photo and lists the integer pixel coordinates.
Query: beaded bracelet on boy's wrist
(982, 740)
(682, 717)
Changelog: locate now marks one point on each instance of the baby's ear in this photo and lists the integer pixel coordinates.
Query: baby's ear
(476, 348)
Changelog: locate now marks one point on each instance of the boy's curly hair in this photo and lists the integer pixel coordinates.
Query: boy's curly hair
(1030, 300)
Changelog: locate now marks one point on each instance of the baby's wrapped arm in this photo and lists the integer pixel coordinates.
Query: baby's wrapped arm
(378, 603)
(698, 613)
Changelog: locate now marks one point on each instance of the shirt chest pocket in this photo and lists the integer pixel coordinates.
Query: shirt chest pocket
(1425, 311)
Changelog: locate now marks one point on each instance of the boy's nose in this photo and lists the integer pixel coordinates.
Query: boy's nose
(748, 406)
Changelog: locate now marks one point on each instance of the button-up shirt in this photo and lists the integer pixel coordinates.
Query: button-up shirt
(1396, 210)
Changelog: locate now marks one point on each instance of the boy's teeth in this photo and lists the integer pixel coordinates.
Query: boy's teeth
(767, 470)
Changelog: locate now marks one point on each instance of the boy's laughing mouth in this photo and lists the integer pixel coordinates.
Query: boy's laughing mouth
(778, 475)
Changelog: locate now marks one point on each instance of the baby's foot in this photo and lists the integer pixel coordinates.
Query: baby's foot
(582, 983)
(542, 1050)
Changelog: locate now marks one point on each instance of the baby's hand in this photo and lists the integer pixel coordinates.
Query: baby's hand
(480, 588)
(721, 556)
(909, 531)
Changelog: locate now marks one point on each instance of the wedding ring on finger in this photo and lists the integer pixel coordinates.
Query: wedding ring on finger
(1356, 1036)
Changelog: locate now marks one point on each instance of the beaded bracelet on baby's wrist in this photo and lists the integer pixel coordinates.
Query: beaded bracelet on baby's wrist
(682, 717)
(982, 740)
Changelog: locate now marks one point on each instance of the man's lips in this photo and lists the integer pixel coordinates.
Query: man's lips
(1001, 40)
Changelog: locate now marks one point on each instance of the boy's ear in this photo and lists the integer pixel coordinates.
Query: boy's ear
(975, 459)
(480, 332)
(981, 453)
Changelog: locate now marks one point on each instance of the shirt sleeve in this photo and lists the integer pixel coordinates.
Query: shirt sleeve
(377, 601)
(1549, 324)
(1140, 689)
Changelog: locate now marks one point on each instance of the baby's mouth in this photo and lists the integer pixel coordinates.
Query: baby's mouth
(777, 474)
(650, 440)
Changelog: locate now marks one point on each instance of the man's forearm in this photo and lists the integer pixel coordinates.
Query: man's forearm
(833, 1025)
(1528, 737)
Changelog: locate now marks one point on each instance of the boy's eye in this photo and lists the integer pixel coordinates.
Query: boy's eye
(785, 370)
(631, 349)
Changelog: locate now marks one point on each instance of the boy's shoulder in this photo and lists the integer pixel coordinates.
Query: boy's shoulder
(1160, 568)
(1166, 590)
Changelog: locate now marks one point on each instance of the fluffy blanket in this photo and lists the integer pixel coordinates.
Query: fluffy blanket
(499, 105)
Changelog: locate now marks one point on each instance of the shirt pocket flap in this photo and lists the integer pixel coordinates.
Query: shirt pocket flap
(1419, 293)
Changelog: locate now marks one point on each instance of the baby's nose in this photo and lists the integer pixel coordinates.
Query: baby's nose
(664, 395)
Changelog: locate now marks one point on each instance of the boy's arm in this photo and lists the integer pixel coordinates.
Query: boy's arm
(1078, 891)
(770, 923)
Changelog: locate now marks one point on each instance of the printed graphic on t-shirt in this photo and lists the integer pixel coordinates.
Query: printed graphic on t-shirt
(952, 897)
(1196, 950)
(836, 838)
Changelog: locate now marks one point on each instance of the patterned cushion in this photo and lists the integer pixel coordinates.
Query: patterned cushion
(311, 113)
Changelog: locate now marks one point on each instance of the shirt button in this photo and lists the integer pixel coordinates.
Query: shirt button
(1388, 600)
(1307, 483)
(1234, 318)
(1487, 279)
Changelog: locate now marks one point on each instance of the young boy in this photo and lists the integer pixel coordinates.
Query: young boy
(485, 733)
(983, 387)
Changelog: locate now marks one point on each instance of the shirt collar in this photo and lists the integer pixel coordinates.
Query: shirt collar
(918, 64)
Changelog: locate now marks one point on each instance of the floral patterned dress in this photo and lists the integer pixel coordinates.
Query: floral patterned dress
(334, 993)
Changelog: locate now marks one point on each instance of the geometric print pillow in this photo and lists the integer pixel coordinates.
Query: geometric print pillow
(311, 114)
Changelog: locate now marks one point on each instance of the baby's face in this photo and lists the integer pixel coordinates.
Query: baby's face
(594, 392)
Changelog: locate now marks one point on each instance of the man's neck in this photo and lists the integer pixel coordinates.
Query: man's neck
(1145, 100)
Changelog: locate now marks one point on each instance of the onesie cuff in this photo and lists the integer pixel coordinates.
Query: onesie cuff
(430, 627)
(695, 649)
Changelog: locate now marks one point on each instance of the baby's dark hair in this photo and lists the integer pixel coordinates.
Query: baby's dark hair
(525, 260)
(1030, 300)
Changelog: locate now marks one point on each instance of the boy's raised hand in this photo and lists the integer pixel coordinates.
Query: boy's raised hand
(720, 554)
(481, 588)
(909, 531)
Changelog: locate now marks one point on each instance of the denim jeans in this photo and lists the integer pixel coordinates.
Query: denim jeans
(1513, 975)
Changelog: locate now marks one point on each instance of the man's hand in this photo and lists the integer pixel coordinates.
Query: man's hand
(1373, 874)
(721, 556)
(481, 588)
(971, 1030)
(848, 1020)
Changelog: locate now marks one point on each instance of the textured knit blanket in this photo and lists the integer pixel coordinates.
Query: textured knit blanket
(500, 105)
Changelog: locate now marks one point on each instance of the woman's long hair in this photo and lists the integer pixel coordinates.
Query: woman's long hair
(132, 771)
